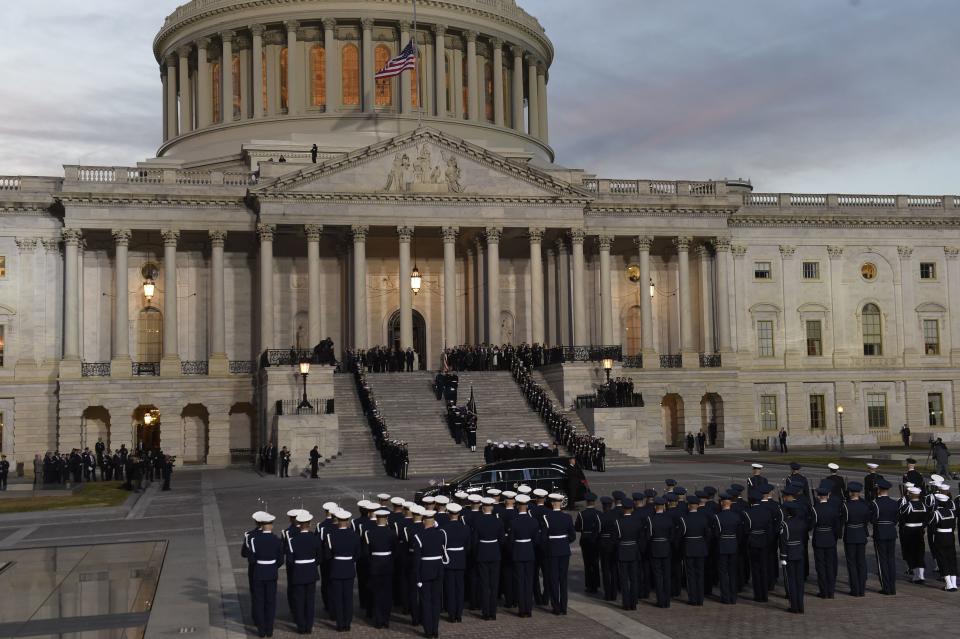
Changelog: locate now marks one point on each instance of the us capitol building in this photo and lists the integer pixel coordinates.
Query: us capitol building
(167, 288)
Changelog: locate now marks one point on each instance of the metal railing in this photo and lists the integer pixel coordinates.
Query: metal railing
(290, 357)
(199, 367)
(559, 354)
(146, 369)
(710, 360)
(671, 361)
(95, 369)
(242, 366)
(633, 361)
(318, 406)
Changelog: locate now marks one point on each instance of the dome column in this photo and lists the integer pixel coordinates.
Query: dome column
(265, 233)
(332, 55)
(204, 101)
(449, 234)
(186, 113)
(542, 99)
(497, 45)
(367, 64)
(226, 77)
(473, 95)
(256, 31)
(405, 234)
(294, 76)
(533, 100)
(517, 88)
(493, 235)
(440, 70)
(360, 335)
(172, 122)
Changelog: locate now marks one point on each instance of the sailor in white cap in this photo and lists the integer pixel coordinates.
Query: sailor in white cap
(293, 528)
(412, 591)
(560, 533)
(838, 485)
(441, 502)
(870, 482)
(323, 529)
(303, 554)
(341, 550)
(523, 489)
(943, 527)
(265, 551)
(489, 534)
(913, 519)
(430, 556)
(458, 544)
(380, 543)
(756, 480)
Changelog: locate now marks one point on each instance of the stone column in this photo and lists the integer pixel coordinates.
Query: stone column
(450, 285)
(257, 54)
(473, 95)
(469, 296)
(493, 235)
(366, 64)
(706, 298)
(186, 99)
(71, 312)
(405, 234)
(606, 291)
(204, 88)
(294, 75)
(314, 321)
(687, 349)
(908, 304)
(581, 335)
(538, 334)
(265, 232)
(440, 69)
(457, 80)
(332, 74)
(564, 301)
(542, 100)
(496, 44)
(481, 305)
(120, 362)
(226, 77)
(953, 299)
(722, 246)
(794, 348)
(170, 364)
(406, 92)
(552, 319)
(533, 99)
(217, 362)
(841, 350)
(643, 243)
(27, 320)
(517, 88)
(243, 47)
(173, 123)
(360, 334)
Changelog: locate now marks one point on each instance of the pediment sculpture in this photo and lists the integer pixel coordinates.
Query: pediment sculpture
(422, 175)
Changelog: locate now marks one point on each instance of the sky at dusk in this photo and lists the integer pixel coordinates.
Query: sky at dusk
(848, 96)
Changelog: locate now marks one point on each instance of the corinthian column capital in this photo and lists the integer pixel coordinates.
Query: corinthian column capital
(170, 237)
(121, 237)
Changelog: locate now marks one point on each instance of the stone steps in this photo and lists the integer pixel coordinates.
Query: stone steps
(358, 455)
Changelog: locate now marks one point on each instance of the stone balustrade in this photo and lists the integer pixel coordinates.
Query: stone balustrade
(848, 201)
(162, 176)
(636, 188)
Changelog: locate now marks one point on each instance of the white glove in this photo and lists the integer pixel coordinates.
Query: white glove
(419, 584)
(783, 562)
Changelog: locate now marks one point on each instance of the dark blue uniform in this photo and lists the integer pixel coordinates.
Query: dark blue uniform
(507, 588)
(856, 515)
(608, 554)
(662, 533)
(303, 552)
(380, 548)
(588, 525)
(694, 535)
(759, 524)
(458, 549)
(266, 552)
(429, 556)
(323, 529)
(558, 534)
(827, 527)
(523, 539)
(488, 534)
(631, 537)
(728, 531)
(885, 513)
(793, 533)
(413, 593)
(341, 550)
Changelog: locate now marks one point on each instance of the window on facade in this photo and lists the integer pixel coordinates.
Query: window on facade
(488, 91)
(765, 338)
(236, 86)
(350, 74)
(215, 73)
(872, 336)
(149, 335)
(284, 80)
(318, 75)
(263, 80)
(811, 270)
(931, 337)
(464, 90)
(3, 342)
(814, 338)
(3, 267)
(768, 412)
(935, 408)
(818, 414)
(448, 80)
(928, 271)
(415, 87)
(508, 96)
(761, 271)
(633, 330)
(384, 88)
(877, 410)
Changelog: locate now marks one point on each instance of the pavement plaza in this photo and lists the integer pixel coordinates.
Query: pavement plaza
(169, 564)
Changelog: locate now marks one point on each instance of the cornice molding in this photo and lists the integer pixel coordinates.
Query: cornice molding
(831, 221)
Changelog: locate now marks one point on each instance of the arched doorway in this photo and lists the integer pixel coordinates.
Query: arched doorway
(95, 424)
(149, 335)
(671, 407)
(147, 422)
(196, 420)
(631, 326)
(711, 412)
(419, 335)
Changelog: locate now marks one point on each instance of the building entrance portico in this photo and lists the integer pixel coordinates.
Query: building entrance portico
(419, 336)
(146, 420)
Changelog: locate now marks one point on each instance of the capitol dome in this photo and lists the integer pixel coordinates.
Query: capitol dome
(490, 90)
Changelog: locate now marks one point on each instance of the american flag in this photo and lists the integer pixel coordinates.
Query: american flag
(406, 60)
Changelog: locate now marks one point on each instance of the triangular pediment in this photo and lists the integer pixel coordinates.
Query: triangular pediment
(424, 162)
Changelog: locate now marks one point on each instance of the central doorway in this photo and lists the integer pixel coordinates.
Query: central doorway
(419, 335)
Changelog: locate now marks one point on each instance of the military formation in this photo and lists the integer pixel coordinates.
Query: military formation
(393, 452)
(442, 556)
(104, 464)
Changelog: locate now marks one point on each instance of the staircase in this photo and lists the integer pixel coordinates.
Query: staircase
(358, 455)
(615, 459)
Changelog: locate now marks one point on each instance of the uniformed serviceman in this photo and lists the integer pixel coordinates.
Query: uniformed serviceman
(793, 532)
(884, 519)
(412, 528)
(694, 536)
(943, 523)
(756, 480)
(838, 485)
(588, 525)
(458, 547)
(4, 471)
(608, 549)
(629, 536)
(558, 534)
(828, 526)
(429, 557)
(870, 482)
(303, 551)
(323, 529)
(265, 551)
(911, 476)
(488, 534)
(856, 514)
(380, 546)
(913, 520)
(523, 538)
(759, 524)
(797, 478)
(661, 533)
(341, 550)
(727, 530)
(292, 527)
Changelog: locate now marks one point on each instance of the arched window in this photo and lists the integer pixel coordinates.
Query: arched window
(215, 73)
(350, 74)
(150, 335)
(318, 72)
(384, 88)
(632, 328)
(465, 89)
(237, 107)
(415, 87)
(872, 335)
(488, 91)
(448, 82)
(284, 81)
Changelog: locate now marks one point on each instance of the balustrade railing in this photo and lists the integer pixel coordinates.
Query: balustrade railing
(559, 354)
(318, 406)
(199, 367)
(9, 183)
(671, 361)
(850, 201)
(138, 175)
(95, 369)
(710, 360)
(633, 361)
(242, 366)
(146, 369)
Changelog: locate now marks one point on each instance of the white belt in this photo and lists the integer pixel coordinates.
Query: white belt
(459, 548)
(489, 541)
(913, 525)
(266, 562)
(558, 536)
(382, 554)
(693, 537)
(344, 558)
(944, 530)
(437, 558)
(304, 561)
(522, 541)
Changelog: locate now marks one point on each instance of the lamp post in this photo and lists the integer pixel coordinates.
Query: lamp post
(840, 422)
(607, 366)
(304, 371)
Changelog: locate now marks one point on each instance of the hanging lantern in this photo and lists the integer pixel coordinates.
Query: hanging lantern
(416, 280)
(652, 288)
(149, 289)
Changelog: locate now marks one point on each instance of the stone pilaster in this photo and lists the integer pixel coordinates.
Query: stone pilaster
(493, 235)
(120, 362)
(170, 363)
(217, 361)
(450, 332)
(537, 320)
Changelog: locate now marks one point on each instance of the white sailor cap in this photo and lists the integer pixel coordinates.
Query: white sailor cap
(304, 517)
(383, 496)
(936, 478)
(397, 501)
(461, 494)
(454, 508)
(493, 491)
(429, 514)
(757, 466)
(523, 499)
(475, 489)
(441, 499)
(427, 500)
(540, 492)
(942, 497)
(382, 513)
(488, 501)
(331, 507)
(936, 484)
(908, 484)
(872, 466)
(555, 497)
(913, 490)
(293, 513)
(262, 517)
(363, 504)
(524, 489)
(408, 505)
(509, 494)
(833, 466)
(475, 498)
(945, 487)
(343, 515)
(489, 441)
(500, 446)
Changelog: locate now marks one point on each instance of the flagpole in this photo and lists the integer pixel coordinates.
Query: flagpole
(416, 62)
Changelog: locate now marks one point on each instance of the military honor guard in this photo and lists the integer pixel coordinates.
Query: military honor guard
(728, 530)
(380, 546)
(303, 552)
(884, 518)
(429, 557)
(629, 537)
(558, 534)
(587, 525)
(341, 550)
(856, 515)
(793, 532)
(458, 547)
(694, 537)
(662, 535)
(264, 552)
(943, 524)
(913, 522)
(488, 535)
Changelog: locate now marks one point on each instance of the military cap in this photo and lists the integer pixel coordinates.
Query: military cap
(710, 490)
(475, 498)
(428, 500)
(833, 466)
(343, 515)
(539, 492)
(397, 501)
(638, 496)
(606, 499)
(331, 507)
(454, 508)
(680, 490)
(700, 494)
(913, 490)
(693, 499)
(659, 501)
(555, 497)
(738, 487)
(937, 479)
(649, 493)
(671, 497)
(509, 494)
(754, 494)
(725, 496)
(872, 466)
(791, 489)
(670, 482)
(303, 517)
(911, 460)
(855, 487)
(524, 489)
(795, 466)
(757, 466)
(383, 512)
(441, 499)
(823, 489)
(942, 497)
(523, 499)
(589, 497)
(883, 484)
(488, 501)
(627, 503)
(383, 497)
(293, 513)
(619, 495)
(262, 517)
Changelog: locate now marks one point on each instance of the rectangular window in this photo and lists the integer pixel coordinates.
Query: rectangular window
(814, 338)
(872, 336)
(3, 343)
(3, 267)
(935, 408)
(928, 271)
(811, 270)
(761, 271)
(818, 415)
(765, 338)
(768, 412)
(877, 410)
(1, 432)
(931, 337)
